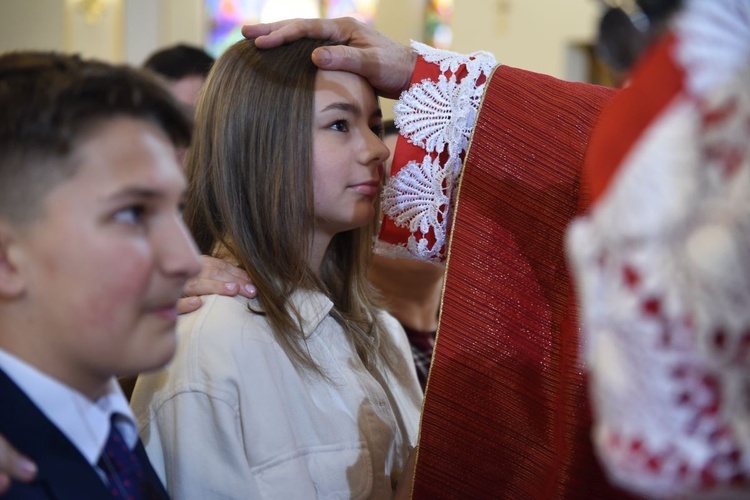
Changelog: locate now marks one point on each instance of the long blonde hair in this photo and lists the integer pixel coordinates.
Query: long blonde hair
(251, 194)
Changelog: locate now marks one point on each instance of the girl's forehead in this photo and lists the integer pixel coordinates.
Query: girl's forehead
(331, 86)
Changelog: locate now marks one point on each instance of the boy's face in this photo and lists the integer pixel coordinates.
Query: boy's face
(187, 90)
(104, 264)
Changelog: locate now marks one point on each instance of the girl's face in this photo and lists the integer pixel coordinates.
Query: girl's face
(348, 154)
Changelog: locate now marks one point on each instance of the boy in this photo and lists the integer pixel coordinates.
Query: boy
(184, 68)
(93, 256)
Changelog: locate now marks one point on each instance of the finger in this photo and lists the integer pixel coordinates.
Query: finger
(203, 286)
(4, 483)
(248, 291)
(363, 62)
(337, 30)
(221, 270)
(261, 29)
(14, 464)
(188, 304)
(255, 30)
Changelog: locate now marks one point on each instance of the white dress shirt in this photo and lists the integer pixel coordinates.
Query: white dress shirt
(84, 422)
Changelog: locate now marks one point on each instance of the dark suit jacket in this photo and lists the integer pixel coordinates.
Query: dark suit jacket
(63, 472)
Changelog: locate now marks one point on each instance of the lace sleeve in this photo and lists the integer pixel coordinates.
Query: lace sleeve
(662, 266)
(437, 116)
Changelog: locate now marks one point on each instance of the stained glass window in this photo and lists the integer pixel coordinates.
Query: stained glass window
(364, 10)
(438, 31)
(226, 17)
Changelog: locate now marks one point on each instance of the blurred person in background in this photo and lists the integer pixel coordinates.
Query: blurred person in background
(185, 68)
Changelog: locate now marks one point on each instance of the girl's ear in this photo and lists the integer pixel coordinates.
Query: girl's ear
(12, 283)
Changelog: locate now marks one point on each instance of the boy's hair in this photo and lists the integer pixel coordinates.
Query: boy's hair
(179, 61)
(50, 102)
(250, 193)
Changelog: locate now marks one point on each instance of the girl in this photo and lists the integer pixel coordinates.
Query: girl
(307, 391)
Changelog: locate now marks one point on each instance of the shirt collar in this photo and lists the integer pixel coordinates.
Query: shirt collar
(312, 306)
(84, 422)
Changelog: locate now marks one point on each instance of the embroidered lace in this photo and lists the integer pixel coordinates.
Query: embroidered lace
(718, 34)
(438, 117)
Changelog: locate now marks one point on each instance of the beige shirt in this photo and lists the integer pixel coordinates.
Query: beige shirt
(231, 417)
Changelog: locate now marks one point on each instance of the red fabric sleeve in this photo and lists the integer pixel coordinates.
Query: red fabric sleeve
(406, 152)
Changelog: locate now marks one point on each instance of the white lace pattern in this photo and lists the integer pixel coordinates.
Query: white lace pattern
(438, 117)
(719, 31)
(662, 266)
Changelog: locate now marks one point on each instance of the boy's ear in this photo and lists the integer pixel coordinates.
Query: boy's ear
(12, 283)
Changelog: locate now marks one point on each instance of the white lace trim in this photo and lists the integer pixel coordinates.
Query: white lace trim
(438, 117)
(662, 266)
(392, 250)
(718, 32)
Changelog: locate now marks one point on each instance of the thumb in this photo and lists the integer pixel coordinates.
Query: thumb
(388, 71)
(345, 58)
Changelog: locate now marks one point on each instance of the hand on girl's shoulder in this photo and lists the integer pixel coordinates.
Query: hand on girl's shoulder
(219, 277)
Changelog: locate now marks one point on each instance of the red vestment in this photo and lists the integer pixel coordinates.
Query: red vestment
(506, 413)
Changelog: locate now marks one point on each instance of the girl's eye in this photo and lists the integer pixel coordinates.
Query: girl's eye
(378, 129)
(340, 126)
(130, 215)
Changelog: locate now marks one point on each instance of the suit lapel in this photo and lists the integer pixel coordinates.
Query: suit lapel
(63, 471)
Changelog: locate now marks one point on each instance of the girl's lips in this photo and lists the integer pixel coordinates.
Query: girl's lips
(367, 189)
